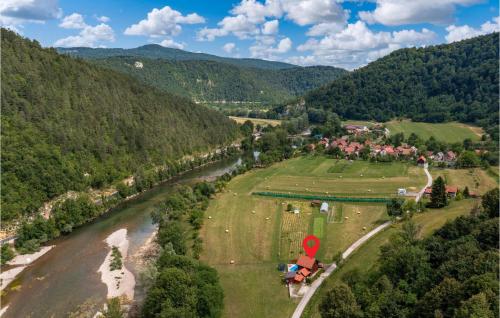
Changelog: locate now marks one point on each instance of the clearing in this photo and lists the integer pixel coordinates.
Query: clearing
(478, 180)
(449, 132)
(261, 233)
(257, 121)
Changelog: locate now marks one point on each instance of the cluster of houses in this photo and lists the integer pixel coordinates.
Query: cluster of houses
(451, 191)
(354, 148)
(300, 270)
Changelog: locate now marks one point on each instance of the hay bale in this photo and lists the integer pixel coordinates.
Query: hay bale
(364, 228)
(232, 261)
(359, 212)
(267, 218)
(227, 231)
(209, 217)
(346, 217)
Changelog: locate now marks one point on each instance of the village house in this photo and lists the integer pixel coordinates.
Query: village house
(451, 191)
(421, 161)
(324, 207)
(356, 129)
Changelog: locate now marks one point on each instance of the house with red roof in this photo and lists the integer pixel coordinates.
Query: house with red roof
(308, 262)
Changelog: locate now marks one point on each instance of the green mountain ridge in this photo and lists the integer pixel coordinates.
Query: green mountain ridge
(215, 81)
(457, 81)
(63, 118)
(155, 51)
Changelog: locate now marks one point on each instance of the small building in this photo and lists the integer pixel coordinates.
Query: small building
(305, 272)
(296, 210)
(298, 278)
(315, 203)
(290, 276)
(324, 207)
(428, 191)
(421, 161)
(401, 191)
(451, 191)
(308, 262)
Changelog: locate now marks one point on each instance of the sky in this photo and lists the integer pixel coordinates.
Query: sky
(342, 33)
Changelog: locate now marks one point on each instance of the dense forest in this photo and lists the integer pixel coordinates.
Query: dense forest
(453, 273)
(457, 81)
(215, 81)
(155, 51)
(68, 124)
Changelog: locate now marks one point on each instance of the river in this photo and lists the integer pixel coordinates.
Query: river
(67, 276)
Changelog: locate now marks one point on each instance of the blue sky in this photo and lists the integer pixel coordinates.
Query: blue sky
(344, 33)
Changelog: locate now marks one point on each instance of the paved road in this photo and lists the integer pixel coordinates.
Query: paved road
(314, 286)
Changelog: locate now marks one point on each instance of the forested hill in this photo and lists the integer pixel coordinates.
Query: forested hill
(68, 124)
(215, 81)
(155, 51)
(457, 81)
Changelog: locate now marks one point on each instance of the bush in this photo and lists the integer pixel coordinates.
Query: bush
(116, 259)
(6, 254)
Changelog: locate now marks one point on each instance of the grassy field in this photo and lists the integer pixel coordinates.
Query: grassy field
(261, 233)
(257, 121)
(367, 254)
(478, 180)
(449, 132)
(321, 175)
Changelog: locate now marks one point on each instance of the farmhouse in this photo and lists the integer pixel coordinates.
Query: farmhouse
(308, 262)
(356, 129)
(451, 191)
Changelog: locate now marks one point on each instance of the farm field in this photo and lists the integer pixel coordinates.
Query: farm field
(448, 132)
(321, 175)
(367, 254)
(478, 180)
(257, 121)
(261, 233)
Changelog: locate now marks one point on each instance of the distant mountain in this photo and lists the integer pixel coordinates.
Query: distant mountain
(68, 124)
(155, 51)
(214, 81)
(457, 81)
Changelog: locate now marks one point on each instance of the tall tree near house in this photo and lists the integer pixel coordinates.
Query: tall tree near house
(438, 195)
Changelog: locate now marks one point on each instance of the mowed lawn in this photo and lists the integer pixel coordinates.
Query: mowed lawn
(367, 255)
(448, 132)
(261, 233)
(321, 175)
(478, 180)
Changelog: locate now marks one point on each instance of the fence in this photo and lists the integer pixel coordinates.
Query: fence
(319, 197)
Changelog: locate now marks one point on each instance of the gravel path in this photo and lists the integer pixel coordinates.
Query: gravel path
(314, 286)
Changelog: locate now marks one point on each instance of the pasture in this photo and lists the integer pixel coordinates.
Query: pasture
(448, 132)
(257, 121)
(367, 255)
(261, 233)
(478, 180)
(321, 175)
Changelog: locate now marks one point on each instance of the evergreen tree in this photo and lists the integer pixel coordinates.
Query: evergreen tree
(439, 198)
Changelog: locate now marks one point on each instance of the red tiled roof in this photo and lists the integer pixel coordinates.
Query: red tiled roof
(305, 272)
(298, 278)
(451, 189)
(306, 261)
(428, 190)
(421, 158)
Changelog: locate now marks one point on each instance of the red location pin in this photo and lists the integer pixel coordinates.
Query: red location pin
(311, 250)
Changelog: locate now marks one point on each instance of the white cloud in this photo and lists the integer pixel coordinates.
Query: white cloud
(89, 36)
(357, 45)
(270, 27)
(307, 12)
(30, 10)
(458, 33)
(103, 19)
(264, 48)
(165, 21)
(172, 44)
(325, 28)
(73, 21)
(229, 47)
(399, 12)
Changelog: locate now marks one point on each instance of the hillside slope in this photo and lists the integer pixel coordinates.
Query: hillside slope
(215, 81)
(155, 51)
(68, 124)
(457, 81)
